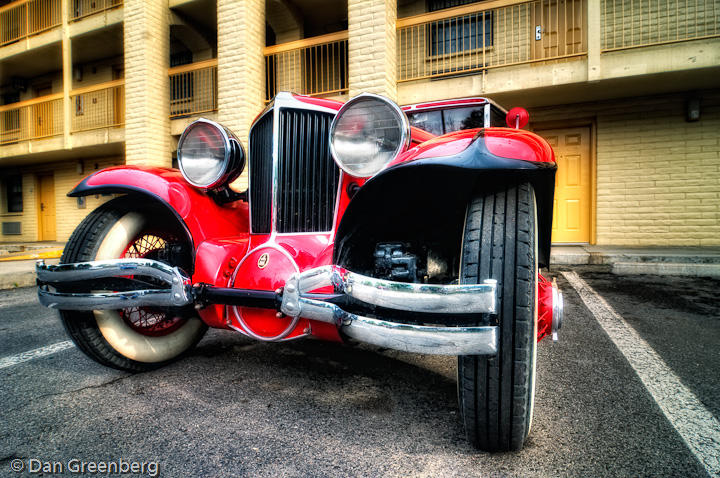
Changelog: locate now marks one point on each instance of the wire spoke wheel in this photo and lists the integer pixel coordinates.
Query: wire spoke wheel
(149, 321)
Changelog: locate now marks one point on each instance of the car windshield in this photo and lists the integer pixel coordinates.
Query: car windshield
(440, 122)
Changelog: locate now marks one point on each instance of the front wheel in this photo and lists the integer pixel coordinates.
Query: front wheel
(496, 393)
(139, 338)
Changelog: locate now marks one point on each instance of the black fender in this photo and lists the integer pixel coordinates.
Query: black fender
(436, 191)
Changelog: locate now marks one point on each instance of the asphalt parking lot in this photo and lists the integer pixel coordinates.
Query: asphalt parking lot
(640, 399)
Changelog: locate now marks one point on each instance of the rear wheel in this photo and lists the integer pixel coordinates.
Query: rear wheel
(496, 393)
(139, 338)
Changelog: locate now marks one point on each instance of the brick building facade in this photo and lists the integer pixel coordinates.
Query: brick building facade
(627, 93)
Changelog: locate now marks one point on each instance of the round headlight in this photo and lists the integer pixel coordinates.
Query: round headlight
(209, 155)
(368, 132)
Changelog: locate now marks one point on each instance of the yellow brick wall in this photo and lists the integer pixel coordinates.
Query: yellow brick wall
(147, 85)
(658, 176)
(241, 66)
(67, 213)
(372, 47)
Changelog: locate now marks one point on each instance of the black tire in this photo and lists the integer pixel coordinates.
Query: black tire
(496, 393)
(105, 336)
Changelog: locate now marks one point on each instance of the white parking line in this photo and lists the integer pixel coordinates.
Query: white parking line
(33, 354)
(695, 424)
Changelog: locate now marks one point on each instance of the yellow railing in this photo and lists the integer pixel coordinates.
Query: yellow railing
(92, 107)
(97, 106)
(193, 88)
(638, 23)
(27, 17)
(312, 66)
(490, 34)
(82, 8)
(31, 119)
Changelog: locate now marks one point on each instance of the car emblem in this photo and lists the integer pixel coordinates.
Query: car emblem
(263, 260)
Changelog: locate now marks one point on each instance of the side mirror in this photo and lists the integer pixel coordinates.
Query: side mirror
(517, 118)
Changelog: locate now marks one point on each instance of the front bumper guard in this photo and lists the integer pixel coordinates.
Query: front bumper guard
(296, 300)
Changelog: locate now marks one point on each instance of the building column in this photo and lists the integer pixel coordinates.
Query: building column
(594, 39)
(67, 75)
(372, 48)
(241, 66)
(147, 85)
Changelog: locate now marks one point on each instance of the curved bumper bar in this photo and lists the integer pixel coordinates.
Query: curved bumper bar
(479, 298)
(176, 295)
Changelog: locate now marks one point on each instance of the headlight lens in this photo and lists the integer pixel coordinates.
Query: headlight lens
(368, 132)
(209, 155)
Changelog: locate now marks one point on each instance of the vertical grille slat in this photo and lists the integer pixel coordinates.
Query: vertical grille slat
(261, 145)
(308, 175)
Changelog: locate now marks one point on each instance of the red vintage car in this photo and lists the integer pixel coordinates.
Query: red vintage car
(355, 226)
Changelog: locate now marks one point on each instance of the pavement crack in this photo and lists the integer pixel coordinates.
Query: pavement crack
(68, 392)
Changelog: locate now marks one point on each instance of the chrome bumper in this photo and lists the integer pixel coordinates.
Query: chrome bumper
(297, 301)
(447, 299)
(176, 295)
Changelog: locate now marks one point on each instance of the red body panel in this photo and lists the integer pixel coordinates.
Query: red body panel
(545, 308)
(204, 218)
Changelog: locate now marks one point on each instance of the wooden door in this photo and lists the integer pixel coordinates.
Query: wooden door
(562, 28)
(46, 214)
(573, 184)
(42, 116)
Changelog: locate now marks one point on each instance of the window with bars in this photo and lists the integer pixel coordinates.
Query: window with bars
(456, 35)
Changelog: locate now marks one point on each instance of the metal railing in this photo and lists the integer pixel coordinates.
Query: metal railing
(638, 23)
(193, 88)
(488, 35)
(32, 119)
(28, 17)
(97, 106)
(82, 8)
(312, 66)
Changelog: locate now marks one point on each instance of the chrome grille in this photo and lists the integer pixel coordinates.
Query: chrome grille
(261, 165)
(307, 175)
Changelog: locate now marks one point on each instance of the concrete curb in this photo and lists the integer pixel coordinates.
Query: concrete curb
(20, 279)
(667, 268)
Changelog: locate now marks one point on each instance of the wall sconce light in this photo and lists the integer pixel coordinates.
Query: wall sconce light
(692, 111)
(80, 167)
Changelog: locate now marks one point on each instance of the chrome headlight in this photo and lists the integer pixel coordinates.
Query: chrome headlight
(209, 155)
(368, 132)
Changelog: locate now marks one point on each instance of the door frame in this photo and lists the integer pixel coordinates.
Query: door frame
(38, 201)
(577, 123)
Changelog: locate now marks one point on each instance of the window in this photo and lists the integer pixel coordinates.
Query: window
(440, 122)
(465, 33)
(13, 193)
(430, 121)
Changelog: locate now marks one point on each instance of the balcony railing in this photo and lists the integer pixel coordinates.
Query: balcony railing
(491, 34)
(98, 106)
(193, 88)
(313, 66)
(92, 107)
(27, 17)
(32, 119)
(638, 23)
(82, 8)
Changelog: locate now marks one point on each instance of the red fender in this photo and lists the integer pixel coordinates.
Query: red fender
(201, 216)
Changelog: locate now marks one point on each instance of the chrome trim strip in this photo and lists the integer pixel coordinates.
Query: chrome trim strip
(177, 295)
(433, 298)
(108, 300)
(558, 310)
(105, 268)
(423, 339)
(478, 298)
(429, 298)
